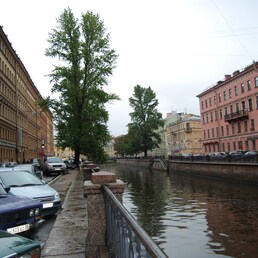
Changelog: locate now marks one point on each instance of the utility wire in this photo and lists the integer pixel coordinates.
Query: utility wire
(243, 46)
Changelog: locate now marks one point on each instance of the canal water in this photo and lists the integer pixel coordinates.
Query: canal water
(190, 216)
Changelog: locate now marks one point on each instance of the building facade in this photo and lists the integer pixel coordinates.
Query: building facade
(183, 134)
(24, 134)
(229, 112)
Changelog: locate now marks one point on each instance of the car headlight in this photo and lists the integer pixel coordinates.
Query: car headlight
(56, 196)
(37, 211)
(31, 213)
(32, 254)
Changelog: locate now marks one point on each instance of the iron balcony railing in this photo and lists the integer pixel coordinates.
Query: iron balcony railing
(124, 237)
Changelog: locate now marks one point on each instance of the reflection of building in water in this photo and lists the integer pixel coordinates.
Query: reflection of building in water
(228, 225)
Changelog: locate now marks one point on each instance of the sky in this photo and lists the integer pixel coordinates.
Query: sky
(177, 47)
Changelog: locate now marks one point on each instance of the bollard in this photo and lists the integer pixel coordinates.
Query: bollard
(96, 209)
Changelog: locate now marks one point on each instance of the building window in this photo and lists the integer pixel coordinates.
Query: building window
(238, 127)
(248, 85)
(217, 131)
(226, 111)
(242, 88)
(220, 114)
(250, 104)
(207, 118)
(219, 97)
(254, 145)
(256, 102)
(245, 126)
(211, 116)
(204, 134)
(240, 146)
(222, 131)
(223, 146)
(231, 109)
(206, 103)
(243, 105)
(208, 131)
(212, 132)
(203, 119)
(210, 101)
(230, 93)
(215, 114)
(228, 147)
(227, 129)
(202, 104)
(256, 81)
(246, 146)
(233, 129)
(214, 99)
(237, 108)
(252, 125)
(224, 95)
(234, 146)
(236, 90)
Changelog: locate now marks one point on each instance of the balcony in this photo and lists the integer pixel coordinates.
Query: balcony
(188, 130)
(239, 115)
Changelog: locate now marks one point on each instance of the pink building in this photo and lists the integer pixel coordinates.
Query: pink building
(229, 112)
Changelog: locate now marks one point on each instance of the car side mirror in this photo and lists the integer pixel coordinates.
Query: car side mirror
(7, 188)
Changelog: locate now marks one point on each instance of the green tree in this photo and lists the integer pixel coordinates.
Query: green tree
(85, 62)
(145, 120)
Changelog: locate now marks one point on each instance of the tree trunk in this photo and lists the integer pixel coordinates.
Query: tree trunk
(77, 157)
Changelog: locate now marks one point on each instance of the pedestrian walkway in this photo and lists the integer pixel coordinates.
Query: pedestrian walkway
(68, 235)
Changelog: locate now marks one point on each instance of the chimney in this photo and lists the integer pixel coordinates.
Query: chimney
(227, 76)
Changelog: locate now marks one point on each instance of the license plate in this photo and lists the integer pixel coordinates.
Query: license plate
(58, 168)
(19, 229)
(47, 205)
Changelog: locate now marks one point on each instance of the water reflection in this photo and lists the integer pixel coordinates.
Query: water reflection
(192, 216)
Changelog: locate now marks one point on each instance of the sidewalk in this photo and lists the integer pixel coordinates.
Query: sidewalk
(68, 235)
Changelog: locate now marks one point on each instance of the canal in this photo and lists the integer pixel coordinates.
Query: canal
(191, 216)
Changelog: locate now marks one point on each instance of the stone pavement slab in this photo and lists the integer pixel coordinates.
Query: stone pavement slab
(68, 235)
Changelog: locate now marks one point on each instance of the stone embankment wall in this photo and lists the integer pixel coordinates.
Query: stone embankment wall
(243, 172)
(148, 163)
(231, 171)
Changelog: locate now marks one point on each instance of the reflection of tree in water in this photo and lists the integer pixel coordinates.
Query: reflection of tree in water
(148, 192)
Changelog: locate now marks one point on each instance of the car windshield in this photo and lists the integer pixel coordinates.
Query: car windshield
(25, 167)
(19, 178)
(54, 160)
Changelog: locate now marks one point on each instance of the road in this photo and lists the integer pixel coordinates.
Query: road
(41, 234)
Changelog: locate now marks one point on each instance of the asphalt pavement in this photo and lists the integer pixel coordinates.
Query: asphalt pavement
(68, 235)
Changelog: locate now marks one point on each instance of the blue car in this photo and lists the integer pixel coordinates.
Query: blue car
(24, 183)
(18, 213)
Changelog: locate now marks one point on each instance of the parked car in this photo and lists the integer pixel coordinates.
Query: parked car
(53, 165)
(13, 246)
(32, 168)
(24, 183)
(236, 155)
(37, 162)
(18, 213)
(70, 164)
(250, 155)
(8, 164)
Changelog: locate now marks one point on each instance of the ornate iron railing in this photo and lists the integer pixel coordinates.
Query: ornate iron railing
(124, 237)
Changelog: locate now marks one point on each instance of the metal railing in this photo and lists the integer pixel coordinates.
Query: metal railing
(124, 237)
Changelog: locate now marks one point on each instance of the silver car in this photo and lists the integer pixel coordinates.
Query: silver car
(53, 165)
(24, 183)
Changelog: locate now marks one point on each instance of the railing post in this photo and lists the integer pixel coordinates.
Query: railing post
(96, 208)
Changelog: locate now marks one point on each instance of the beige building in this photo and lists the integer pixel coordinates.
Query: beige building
(66, 153)
(183, 134)
(109, 148)
(24, 134)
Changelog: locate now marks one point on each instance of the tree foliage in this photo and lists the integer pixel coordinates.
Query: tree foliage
(85, 61)
(145, 120)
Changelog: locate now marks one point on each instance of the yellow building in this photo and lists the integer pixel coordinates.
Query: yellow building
(184, 134)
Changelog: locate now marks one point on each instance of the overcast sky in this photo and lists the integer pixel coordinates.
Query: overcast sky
(177, 47)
